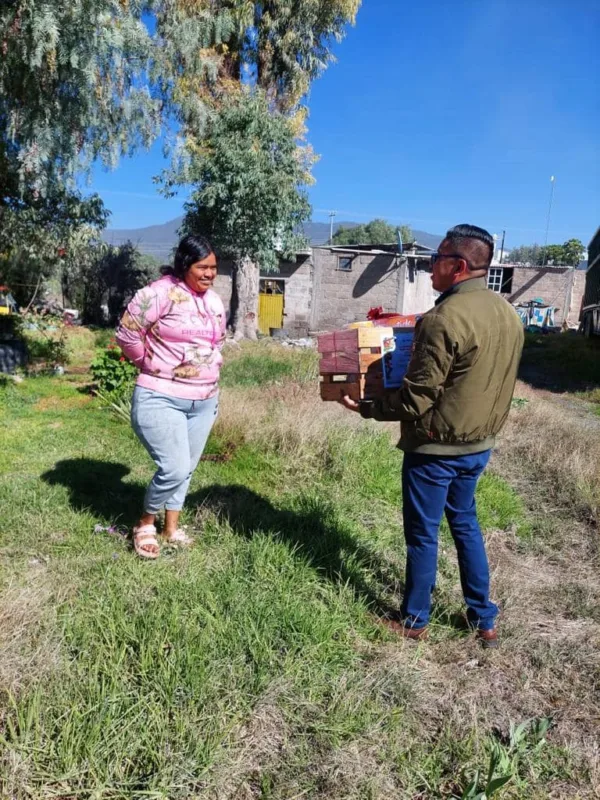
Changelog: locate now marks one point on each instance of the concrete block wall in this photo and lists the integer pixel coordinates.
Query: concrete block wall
(319, 296)
(341, 297)
(297, 278)
(552, 284)
(419, 295)
(577, 294)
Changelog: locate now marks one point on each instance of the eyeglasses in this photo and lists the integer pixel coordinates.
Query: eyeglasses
(435, 257)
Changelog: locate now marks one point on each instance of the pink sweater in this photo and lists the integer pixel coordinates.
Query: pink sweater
(175, 335)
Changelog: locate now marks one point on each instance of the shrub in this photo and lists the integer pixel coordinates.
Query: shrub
(45, 337)
(112, 372)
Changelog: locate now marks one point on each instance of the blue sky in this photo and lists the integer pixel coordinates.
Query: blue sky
(443, 112)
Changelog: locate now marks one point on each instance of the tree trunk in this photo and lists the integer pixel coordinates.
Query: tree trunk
(244, 300)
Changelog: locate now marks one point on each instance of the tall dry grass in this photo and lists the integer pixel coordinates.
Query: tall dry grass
(290, 418)
(554, 442)
(551, 442)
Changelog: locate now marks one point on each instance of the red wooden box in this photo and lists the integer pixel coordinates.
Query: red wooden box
(351, 363)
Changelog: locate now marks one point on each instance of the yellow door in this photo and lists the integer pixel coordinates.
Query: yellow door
(270, 307)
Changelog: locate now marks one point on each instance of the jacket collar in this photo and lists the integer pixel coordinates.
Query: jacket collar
(472, 285)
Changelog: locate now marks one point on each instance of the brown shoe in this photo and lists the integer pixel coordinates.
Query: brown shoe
(488, 639)
(404, 630)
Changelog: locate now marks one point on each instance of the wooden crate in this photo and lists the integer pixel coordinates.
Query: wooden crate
(351, 363)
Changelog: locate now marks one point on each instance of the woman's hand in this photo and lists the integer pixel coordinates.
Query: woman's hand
(349, 403)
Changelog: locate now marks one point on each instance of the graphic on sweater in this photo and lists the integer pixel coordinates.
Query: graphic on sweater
(129, 323)
(197, 359)
(174, 336)
(177, 295)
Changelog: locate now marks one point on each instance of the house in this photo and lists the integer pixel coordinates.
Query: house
(285, 297)
(349, 280)
(560, 287)
(330, 286)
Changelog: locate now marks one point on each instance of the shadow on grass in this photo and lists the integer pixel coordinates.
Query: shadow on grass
(561, 362)
(314, 533)
(311, 529)
(98, 487)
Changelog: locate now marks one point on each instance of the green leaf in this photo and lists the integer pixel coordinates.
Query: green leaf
(496, 784)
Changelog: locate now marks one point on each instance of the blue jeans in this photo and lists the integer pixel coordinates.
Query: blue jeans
(431, 486)
(174, 432)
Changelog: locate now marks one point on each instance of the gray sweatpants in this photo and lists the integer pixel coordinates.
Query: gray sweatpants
(174, 432)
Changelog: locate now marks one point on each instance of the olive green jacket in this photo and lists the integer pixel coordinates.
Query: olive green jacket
(460, 381)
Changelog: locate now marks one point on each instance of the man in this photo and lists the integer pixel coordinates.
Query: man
(454, 399)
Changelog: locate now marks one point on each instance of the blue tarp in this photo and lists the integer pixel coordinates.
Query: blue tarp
(536, 316)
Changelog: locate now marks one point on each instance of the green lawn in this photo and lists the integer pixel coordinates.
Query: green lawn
(252, 665)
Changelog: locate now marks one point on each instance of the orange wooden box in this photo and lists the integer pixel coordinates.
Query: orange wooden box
(351, 363)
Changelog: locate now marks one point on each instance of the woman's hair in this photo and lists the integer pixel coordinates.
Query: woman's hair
(191, 249)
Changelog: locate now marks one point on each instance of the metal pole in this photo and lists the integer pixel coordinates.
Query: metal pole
(552, 181)
(332, 215)
(502, 246)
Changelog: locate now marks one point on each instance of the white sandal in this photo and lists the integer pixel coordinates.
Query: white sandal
(180, 537)
(142, 537)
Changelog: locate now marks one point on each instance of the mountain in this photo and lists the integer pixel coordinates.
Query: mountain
(159, 240)
(155, 240)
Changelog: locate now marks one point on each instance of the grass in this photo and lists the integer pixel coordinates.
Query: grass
(555, 443)
(252, 666)
(554, 436)
(264, 363)
(565, 362)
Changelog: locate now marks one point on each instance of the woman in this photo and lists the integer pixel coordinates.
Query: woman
(173, 330)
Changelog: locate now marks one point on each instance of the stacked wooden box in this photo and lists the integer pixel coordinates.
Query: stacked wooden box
(351, 363)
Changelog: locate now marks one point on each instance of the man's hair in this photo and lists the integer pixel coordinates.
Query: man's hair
(469, 234)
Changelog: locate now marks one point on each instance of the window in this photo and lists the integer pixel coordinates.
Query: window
(495, 280)
(500, 280)
(345, 263)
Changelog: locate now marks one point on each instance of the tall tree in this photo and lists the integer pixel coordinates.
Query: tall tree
(277, 47)
(44, 236)
(73, 89)
(291, 43)
(250, 198)
(525, 254)
(573, 251)
(87, 81)
(552, 254)
(378, 231)
(107, 279)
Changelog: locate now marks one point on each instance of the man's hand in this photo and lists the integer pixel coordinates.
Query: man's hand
(349, 403)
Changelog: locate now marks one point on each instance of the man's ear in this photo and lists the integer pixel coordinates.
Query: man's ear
(462, 268)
